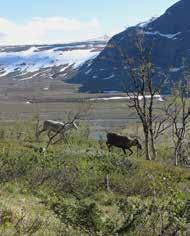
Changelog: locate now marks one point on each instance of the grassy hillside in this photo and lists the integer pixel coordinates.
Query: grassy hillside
(81, 189)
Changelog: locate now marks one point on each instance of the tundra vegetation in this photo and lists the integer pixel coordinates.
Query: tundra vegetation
(75, 186)
(80, 188)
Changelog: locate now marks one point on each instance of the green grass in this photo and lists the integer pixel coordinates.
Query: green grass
(63, 191)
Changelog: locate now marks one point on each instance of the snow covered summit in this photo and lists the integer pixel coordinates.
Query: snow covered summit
(50, 61)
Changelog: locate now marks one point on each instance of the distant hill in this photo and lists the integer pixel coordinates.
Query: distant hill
(59, 61)
(168, 36)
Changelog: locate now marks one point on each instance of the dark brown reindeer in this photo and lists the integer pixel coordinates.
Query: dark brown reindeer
(122, 142)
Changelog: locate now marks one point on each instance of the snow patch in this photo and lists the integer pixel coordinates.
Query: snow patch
(109, 77)
(107, 99)
(158, 97)
(146, 23)
(88, 71)
(174, 70)
(33, 59)
(169, 36)
(113, 91)
(45, 89)
(30, 77)
(65, 68)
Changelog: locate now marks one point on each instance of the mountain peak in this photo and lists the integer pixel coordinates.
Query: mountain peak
(168, 36)
(175, 19)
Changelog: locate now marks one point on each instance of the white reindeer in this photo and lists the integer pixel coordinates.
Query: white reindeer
(57, 127)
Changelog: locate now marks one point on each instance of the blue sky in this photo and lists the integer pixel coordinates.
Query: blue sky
(56, 21)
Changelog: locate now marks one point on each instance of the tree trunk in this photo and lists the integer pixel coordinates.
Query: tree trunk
(153, 145)
(176, 157)
(178, 151)
(147, 154)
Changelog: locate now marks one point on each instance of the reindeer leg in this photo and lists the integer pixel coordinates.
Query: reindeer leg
(40, 132)
(49, 134)
(109, 146)
(124, 151)
(131, 152)
(65, 139)
(57, 141)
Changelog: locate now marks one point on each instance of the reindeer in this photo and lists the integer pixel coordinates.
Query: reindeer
(57, 127)
(61, 128)
(122, 142)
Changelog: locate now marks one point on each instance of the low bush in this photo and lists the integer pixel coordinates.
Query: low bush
(82, 189)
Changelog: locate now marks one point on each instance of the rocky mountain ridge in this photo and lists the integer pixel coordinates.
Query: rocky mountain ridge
(168, 36)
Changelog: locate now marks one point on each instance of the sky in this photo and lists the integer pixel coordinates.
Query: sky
(59, 21)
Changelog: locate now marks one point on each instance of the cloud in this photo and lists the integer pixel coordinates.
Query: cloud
(2, 35)
(47, 30)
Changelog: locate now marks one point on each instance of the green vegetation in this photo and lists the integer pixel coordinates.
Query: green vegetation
(81, 189)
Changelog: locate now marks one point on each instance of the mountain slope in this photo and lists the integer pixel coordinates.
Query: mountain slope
(46, 61)
(168, 36)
